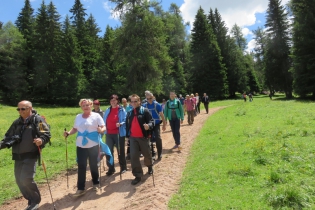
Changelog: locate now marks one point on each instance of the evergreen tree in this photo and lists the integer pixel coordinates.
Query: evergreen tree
(78, 21)
(175, 30)
(141, 47)
(25, 23)
(228, 50)
(259, 52)
(240, 40)
(73, 80)
(303, 52)
(48, 52)
(208, 73)
(12, 66)
(277, 62)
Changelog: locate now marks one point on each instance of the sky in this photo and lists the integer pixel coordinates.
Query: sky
(248, 14)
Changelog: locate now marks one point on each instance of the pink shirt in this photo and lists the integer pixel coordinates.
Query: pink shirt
(190, 104)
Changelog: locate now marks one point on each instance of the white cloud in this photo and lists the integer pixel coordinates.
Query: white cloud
(251, 45)
(106, 6)
(246, 32)
(241, 12)
(109, 8)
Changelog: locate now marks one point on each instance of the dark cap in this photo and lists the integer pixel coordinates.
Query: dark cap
(96, 102)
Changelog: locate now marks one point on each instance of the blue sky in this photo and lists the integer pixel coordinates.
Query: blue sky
(249, 14)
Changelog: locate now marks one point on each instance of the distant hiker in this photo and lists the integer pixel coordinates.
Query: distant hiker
(26, 135)
(89, 126)
(139, 124)
(192, 96)
(250, 96)
(198, 101)
(244, 96)
(156, 111)
(175, 114)
(125, 105)
(181, 99)
(190, 108)
(205, 100)
(97, 108)
(115, 118)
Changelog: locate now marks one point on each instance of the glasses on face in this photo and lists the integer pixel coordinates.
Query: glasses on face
(85, 105)
(133, 101)
(149, 98)
(22, 109)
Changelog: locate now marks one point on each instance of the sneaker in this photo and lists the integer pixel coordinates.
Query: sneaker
(136, 180)
(128, 156)
(150, 170)
(122, 171)
(175, 147)
(79, 193)
(96, 187)
(109, 173)
(141, 155)
(33, 206)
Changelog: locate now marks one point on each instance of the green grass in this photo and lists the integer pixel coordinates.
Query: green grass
(257, 155)
(54, 156)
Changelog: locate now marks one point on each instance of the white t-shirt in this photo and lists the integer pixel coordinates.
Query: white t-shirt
(197, 99)
(89, 124)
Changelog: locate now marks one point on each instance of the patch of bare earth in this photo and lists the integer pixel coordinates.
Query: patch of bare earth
(120, 194)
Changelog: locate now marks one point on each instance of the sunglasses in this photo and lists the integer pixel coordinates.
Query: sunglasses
(134, 101)
(21, 109)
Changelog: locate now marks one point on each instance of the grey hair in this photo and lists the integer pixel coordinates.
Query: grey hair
(148, 93)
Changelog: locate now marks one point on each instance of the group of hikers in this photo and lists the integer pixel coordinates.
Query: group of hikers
(138, 122)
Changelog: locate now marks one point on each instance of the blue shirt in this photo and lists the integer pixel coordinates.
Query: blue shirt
(155, 108)
(182, 99)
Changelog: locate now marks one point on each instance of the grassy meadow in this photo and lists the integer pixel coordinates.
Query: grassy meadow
(253, 155)
(54, 156)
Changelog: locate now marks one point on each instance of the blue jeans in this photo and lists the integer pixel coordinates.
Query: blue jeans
(83, 154)
(24, 171)
(175, 126)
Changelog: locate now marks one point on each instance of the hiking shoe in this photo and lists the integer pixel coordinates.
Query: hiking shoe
(150, 170)
(128, 156)
(136, 180)
(33, 206)
(109, 173)
(123, 171)
(96, 187)
(175, 147)
(179, 147)
(79, 193)
(160, 157)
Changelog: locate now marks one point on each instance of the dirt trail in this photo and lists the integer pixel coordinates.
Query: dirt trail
(120, 194)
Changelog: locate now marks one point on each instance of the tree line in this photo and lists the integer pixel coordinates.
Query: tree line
(47, 60)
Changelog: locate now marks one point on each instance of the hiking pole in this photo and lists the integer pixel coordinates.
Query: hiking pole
(99, 153)
(153, 178)
(118, 148)
(44, 167)
(67, 159)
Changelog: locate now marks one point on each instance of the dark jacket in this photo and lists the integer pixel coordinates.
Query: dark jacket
(35, 126)
(144, 117)
(205, 99)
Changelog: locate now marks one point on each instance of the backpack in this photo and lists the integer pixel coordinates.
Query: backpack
(146, 106)
(41, 119)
